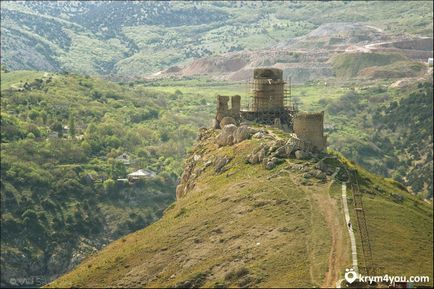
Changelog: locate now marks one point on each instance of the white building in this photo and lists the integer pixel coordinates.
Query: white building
(141, 174)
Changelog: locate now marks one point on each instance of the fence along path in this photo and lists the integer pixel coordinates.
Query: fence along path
(361, 222)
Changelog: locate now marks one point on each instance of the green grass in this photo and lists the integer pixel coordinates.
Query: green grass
(247, 213)
(309, 95)
(395, 70)
(349, 65)
(18, 78)
(214, 231)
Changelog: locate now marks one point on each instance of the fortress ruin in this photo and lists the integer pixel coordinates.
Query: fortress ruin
(310, 127)
(269, 102)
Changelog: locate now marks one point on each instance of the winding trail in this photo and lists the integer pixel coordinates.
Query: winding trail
(350, 228)
(336, 259)
(350, 232)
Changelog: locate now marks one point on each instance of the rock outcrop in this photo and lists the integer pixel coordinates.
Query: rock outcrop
(231, 134)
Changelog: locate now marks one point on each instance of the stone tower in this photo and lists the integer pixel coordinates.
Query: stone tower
(268, 90)
(309, 127)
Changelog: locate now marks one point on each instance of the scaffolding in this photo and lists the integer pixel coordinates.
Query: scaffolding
(268, 100)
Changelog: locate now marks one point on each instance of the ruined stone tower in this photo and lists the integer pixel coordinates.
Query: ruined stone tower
(309, 127)
(269, 101)
(268, 90)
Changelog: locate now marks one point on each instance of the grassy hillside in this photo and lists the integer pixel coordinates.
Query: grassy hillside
(244, 225)
(129, 39)
(60, 137)
(66, 181)
(350, 65)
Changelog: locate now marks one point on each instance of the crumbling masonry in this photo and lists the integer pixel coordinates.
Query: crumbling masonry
(223, 109)
(270, 103)
(309, 127)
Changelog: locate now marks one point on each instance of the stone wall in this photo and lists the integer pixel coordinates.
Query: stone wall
(235, 106)
(309, 127)
(223, 109)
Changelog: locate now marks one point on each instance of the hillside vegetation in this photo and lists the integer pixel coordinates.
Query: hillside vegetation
(387, 130)
(66, 131)
(61, 136)
(124, 39)
(383, 127)
(246, 226)
(350, 65)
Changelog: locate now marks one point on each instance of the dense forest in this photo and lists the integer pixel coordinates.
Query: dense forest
(62, 136)
(388, 131)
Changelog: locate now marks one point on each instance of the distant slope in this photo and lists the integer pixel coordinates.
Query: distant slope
(128, 40)
(387, 129)
(242, 225)
(61, 136)
(333, 51)
(351, 64)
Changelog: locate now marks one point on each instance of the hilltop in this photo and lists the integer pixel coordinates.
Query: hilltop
(241, 223)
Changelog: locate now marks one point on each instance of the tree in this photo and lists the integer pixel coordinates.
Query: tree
(57, 126)
(109, 185)
(71, 126)
(118, 170)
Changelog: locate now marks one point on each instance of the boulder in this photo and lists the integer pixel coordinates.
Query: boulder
(278, 161)
(259, 134)
(307, 175)
(252, 159)
(301, 155)
(242, 133)
(281, 152)
(258, 148)
(270, 165)
(227, 120)
(261, 155)
(226, 137)
(220, 164)
(215, 124)
(257, 156)
(319, 175)
(196, 157)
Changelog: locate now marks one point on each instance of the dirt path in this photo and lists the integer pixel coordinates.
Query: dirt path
(338, 256)
(349, 228)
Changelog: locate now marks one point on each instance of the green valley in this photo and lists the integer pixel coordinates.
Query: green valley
(62, 136)
(123, 165)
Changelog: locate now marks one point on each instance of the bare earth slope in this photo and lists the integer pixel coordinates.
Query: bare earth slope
(243, 225)
(311, 56)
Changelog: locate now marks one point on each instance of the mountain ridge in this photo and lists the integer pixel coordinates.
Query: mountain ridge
(177, 33)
